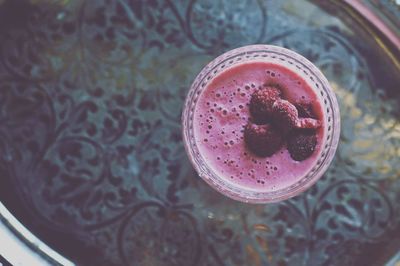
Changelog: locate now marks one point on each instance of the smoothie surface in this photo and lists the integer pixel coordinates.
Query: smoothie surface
(221, 113)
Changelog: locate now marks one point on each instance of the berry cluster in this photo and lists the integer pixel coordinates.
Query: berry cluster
(274, 120)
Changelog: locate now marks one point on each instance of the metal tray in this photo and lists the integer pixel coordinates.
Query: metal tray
(91, 156)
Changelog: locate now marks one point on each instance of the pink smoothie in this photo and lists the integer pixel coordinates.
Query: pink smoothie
(221, 113)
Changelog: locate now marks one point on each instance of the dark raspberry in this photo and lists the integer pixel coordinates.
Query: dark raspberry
(307, 123)
(285, 115)
(301, 144)
(261, 103)
(262, 140)
(305, 110)
(307, 117)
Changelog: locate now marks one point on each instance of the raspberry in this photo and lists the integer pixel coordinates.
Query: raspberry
(262, 140)
(301, 144)
(305, 110)
(261, 103)
(285, 115)
(308, 123)
(307, 117)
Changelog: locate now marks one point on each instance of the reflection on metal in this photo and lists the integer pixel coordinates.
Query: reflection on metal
(373, 18)
(20, 247)
(363, 16)
(395, 261)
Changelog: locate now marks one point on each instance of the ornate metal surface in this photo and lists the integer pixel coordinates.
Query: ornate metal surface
(91, 156)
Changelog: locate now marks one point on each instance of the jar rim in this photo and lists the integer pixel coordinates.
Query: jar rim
(271, 54)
